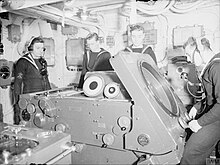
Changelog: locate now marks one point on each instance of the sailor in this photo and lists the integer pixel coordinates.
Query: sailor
(137, 39)
(205, 122)
(30, 73)
(95, 58)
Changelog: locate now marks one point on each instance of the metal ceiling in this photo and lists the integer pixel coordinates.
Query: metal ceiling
(10, 5)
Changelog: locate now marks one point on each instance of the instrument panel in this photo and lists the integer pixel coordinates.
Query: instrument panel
(22, 145)
(119, 116)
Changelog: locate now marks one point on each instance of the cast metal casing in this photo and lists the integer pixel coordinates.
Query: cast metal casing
(145, 120)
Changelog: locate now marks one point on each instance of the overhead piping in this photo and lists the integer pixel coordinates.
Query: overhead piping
(57, 15)
(191, 7)
(161, 10)
(22, 4)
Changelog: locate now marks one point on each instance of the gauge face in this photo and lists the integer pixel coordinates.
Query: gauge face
(108, 139)
(25, 115)
(143, 139)
(31, 108)
(124, 122)
(111, 90)
(39, 120)
(22, 103)
(5, 72)
(159, 89)
(93, 86)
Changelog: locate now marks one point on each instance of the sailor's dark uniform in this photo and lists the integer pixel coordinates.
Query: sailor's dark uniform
(145, 50)
(95, 61)
(30, 76)
(202, 143)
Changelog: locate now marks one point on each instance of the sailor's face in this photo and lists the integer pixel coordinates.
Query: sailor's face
(137, 37)
(38, 49)
(189, 50)
(93, 44)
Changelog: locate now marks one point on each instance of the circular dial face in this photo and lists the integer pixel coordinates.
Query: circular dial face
(39, 120)
(4, 72)
(159, 89)
(93, 86)
(26, 116)
(124, 122)
(22, 103)
(143, 139)
(111, 90)
(31, 108)
(108, 139)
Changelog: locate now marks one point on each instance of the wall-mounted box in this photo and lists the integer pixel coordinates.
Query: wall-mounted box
(69, 30)
(14, 33)
(181, 34)
(74, 52)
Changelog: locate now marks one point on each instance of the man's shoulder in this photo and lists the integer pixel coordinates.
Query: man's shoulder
(23, 59)
(25, 56)
(215, 59)
(103, 51)
(128, 48)
(147, 47)
(215, 65)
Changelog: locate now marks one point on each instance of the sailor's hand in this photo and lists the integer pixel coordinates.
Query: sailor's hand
(192, 113)
(194, 125)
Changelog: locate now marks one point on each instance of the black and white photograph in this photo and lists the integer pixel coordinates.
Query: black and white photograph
(110, 82)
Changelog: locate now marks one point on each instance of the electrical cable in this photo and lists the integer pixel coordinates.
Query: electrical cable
(187, 87)
(158, 11)
(58, 15)
(184, 76)
(151, 154)
(188, 9)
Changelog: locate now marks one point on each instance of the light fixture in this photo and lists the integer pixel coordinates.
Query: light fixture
(84, 14)
(68, 12)
(69, 3)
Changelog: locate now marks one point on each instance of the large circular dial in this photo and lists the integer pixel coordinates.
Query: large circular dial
(159, 89)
